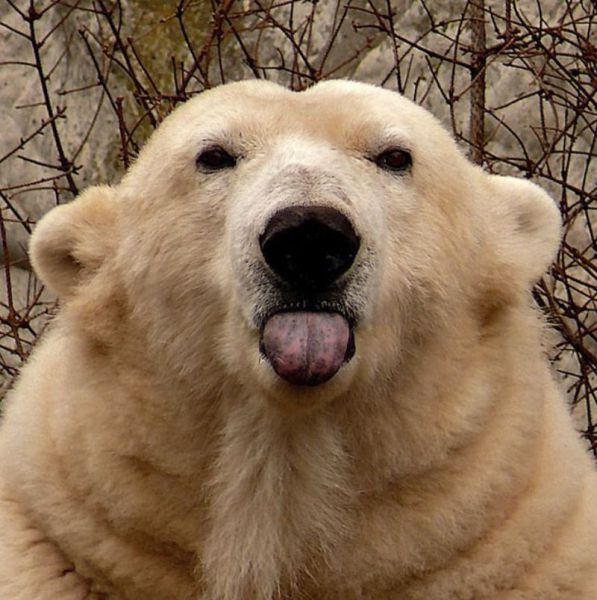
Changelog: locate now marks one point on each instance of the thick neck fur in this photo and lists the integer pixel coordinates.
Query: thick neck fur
(280, 494)
(266, 504)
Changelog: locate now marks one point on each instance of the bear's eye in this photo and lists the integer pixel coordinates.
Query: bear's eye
(394, 159)
(215, 159)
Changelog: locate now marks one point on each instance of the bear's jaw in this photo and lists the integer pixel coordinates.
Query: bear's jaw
(307, 347)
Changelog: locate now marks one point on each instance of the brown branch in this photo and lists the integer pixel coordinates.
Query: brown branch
(65, 164)
(477, 70)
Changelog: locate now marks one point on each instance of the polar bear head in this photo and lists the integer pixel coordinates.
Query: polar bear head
(304, 244)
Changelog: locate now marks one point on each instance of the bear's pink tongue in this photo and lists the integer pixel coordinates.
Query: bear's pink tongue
(306, 348)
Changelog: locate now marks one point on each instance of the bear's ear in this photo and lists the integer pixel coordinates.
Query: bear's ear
(527, 225)
(74, 239)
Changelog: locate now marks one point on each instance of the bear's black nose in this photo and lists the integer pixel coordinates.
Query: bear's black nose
(309, 246)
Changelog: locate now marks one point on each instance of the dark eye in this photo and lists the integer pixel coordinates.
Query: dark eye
(215, 159)
(394, 159)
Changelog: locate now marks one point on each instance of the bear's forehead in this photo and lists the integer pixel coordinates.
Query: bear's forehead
(344, 113)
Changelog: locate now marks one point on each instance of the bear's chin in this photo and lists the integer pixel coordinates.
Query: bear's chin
(289, 396)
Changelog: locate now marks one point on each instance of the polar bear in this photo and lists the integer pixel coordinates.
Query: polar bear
(296, 358)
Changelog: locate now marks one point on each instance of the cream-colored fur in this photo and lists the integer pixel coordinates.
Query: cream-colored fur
(149, 451)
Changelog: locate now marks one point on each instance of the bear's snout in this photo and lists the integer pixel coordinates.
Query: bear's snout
(309, 247)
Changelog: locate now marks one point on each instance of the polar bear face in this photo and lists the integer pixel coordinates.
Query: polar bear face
(302, 243)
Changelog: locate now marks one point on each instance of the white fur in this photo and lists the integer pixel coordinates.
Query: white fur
(150, 451)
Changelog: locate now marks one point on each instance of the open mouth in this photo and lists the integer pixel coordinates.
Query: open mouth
(308, 251)
(307, 347)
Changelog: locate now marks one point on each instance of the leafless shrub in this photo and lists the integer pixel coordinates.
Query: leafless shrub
(514, 79)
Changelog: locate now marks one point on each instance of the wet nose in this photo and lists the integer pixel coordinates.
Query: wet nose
(309, 246)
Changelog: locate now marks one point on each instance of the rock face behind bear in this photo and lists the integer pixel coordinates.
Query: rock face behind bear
(296, 357)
